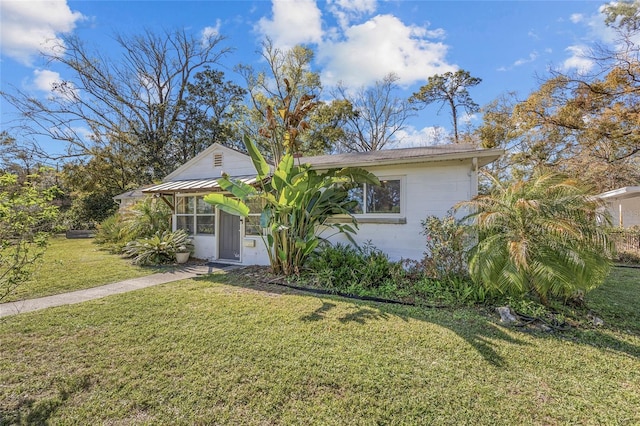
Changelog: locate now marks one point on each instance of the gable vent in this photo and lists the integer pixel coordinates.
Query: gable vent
(217, 160)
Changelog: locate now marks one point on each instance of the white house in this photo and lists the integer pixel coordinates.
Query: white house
(624, 206)
(416, 183)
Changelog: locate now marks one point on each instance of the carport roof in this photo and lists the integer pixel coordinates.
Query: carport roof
(193, 185)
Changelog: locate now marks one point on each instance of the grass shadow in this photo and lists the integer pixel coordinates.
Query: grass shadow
(477, 327)
(478, 330)
(319, 314)
(38, 412)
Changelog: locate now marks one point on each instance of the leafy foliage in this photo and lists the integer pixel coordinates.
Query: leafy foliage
(297, 202)
(450, 88)
(26, 217)
(344, 267)
(87, 210)
(538, 235)
(143, 220)
(367, 271)
(448, 241)
(159, 249)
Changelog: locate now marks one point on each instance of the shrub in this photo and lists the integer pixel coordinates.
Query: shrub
(112, 234)
(348, 268)
(539, 236)
(367, 271)
(87, 210)
(447, 244)
(159, 249)
(145, 219)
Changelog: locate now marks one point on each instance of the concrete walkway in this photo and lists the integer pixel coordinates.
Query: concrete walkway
(79, 296)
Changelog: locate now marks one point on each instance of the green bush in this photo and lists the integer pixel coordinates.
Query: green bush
(112, 234)
(539, 236)
(343, 267)
(145, 219)
(158, 249)
(448, 241)
(368, 272)
(88, 210)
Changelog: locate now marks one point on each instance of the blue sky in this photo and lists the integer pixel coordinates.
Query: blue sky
(506, 43)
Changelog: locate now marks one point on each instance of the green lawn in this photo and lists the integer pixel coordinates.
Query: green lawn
(75, 264)
(216, 350)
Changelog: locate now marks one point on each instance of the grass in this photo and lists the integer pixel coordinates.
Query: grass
(72, 265)
(218, 350)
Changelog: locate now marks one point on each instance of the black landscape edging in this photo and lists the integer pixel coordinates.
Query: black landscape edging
(353, 296)
(622, 265)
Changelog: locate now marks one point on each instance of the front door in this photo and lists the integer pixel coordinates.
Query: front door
(229, 237)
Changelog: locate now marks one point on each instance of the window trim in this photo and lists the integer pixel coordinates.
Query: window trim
(194, 216)
(245, 223)
(399, 217)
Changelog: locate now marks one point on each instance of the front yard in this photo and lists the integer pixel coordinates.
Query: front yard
(75, 264)
(221, 350)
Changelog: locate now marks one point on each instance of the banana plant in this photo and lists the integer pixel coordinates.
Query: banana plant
(298, 202)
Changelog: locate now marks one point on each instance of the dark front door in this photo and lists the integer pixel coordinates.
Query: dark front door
(229, 237)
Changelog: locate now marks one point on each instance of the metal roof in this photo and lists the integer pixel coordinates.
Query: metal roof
(194, 185)
(404, 155)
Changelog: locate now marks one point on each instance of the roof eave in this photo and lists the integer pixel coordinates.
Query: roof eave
(624, 192)
(486, 156)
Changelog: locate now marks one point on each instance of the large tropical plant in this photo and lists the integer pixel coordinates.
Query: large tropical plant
(298, 202)
(539, 236)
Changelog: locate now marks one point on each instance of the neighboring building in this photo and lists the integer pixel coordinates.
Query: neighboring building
(624, 206)
(416, 183)
(129, 198)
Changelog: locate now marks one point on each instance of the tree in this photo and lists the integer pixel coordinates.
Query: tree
(287, 87)
(375, 117)
(26, 217)
(17, 159)
(538, 235)
(449, 89)
(210, 106)
(296, 201)
(585, 125)
(297, 204)
(137, 99)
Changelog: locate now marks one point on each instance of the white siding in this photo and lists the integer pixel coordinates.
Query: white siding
(202, 167)
(627, 209)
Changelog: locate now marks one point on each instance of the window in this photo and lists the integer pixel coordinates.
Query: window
(252, 222)
(383, 199)
(195, 216)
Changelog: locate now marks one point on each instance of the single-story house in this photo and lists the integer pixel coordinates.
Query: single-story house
(624, 206)
(416, 183)
(129, 198)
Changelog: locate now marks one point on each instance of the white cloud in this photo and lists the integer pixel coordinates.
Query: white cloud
(29, 27)
(532, 57)
(52, 84)
(44, 80)
(210, 32)
(578, 61)
(576, 17)
(382, 45)
(347, 10)
(410, 137)
(294, 22)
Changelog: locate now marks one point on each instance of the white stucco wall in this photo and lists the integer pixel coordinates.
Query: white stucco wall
(627, 209)
(428, 190)
(252, 248)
